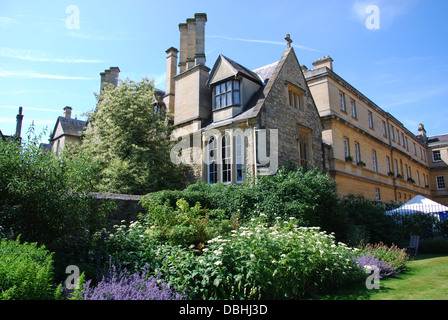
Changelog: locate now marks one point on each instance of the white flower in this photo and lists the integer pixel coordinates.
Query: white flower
(283, 256)
(218, 263)
(252, 256)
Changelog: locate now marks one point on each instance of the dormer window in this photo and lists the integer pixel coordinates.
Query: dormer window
(226, 94)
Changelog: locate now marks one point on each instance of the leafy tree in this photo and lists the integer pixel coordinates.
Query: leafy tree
(130, 140)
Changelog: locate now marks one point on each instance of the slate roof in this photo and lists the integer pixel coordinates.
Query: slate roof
(438, 140)
(267, 75)
(70, 126)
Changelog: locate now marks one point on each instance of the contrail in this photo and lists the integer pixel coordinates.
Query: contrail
(280, 43)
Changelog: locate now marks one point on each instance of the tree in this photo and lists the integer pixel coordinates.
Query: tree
(130, 140)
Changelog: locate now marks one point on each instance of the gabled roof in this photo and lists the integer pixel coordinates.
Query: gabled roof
(238, 70)
(253, 107)
(69, 126)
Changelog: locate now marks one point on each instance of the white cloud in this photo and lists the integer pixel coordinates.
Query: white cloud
(40, 56)
(35, 75)
(280, 43)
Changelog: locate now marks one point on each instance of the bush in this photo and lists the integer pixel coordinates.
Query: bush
(26, 271)
(366, 222)
(390, 260)
(309, 196)
(44, 197)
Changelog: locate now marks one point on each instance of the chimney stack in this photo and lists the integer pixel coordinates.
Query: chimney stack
(323, 62)
(68, 112)
(422, 132)
(171, 71)
(201, 19)
(19, 123)
(183, 28)
(192, 42)
(110, 76)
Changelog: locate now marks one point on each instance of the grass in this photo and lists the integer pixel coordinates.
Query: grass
(426, 279)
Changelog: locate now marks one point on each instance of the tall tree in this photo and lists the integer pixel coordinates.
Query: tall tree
(130, 140)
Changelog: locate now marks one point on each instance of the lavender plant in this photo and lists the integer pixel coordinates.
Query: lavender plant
(367, 260)
(119, 285)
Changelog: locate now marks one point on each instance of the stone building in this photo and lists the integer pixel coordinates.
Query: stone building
(438, 162)
(372, 153)
(67, 130)
(233, 122)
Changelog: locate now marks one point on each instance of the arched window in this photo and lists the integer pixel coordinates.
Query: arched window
(239, 157)
(226, 159)
(212, 167)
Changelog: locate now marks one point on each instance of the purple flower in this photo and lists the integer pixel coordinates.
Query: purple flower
(370, 260)
(137, 286)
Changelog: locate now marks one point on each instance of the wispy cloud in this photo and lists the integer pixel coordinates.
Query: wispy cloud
(278, 43)
(36, 75)
(30, 108)
(6, 21)
(41, 56)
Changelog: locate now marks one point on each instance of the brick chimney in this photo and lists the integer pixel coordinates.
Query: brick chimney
(68, 112)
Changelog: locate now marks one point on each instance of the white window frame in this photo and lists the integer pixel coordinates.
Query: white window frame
(226, 159)
(212, 163)
(353, 107)
(239, 158)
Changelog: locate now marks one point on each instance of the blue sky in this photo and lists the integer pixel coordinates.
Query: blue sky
(49, 59)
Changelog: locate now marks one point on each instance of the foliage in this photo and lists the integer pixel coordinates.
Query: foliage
(45, 197)
(131, 141)
(26, 271)
(436, 245)
(119, 285)
(390, 259)
(256, 261)
(185, 225)
(307, 195)
(418, 223)
(366, 222)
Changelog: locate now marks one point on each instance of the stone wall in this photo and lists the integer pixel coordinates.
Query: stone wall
(128, 206)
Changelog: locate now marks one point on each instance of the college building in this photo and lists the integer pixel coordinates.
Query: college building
(233, 123)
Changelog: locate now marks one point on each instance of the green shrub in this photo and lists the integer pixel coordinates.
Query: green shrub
(393, 256)
(307, 195)
(366, 222)
(26, 271)
(436, 245)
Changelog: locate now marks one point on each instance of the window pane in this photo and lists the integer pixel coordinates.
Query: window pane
(229, 86)
(229, 98)
(223, 100)
(236, 97)
(217, 102)
(236, 85)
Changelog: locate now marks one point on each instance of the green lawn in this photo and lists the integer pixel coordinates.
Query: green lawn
(426, 279)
